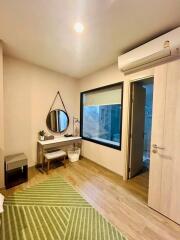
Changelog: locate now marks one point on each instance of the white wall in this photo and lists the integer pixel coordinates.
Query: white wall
(1, 120)
(115, 160)
(105, 156)
(28, 94)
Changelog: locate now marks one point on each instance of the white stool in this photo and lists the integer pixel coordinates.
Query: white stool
(54, 155)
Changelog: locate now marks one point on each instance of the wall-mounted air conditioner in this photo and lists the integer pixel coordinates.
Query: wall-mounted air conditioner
(159, 50)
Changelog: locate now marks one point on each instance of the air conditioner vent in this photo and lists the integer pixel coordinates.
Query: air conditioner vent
(160, 50)
(143, 62)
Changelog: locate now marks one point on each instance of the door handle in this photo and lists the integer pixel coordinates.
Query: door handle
(157, 147)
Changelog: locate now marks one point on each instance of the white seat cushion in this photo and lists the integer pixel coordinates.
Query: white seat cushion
(55, 154)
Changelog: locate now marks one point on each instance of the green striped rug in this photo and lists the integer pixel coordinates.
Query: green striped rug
(53, 210)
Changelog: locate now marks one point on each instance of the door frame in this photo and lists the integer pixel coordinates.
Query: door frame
(131, 79)
(130, 124)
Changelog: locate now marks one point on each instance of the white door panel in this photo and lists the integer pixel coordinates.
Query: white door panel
(164, 187)
(157, 136)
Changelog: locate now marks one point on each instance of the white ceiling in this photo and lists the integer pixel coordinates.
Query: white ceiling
(41, 31)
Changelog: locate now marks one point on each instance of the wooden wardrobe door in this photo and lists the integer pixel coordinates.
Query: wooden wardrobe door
(170, 184)
(164, 189)
(157, 135)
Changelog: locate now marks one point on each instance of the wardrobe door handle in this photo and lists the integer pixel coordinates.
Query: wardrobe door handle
(156, 147)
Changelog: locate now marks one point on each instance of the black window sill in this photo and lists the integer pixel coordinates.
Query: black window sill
(102, 143)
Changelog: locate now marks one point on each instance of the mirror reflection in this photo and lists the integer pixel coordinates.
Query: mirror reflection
(57, 121)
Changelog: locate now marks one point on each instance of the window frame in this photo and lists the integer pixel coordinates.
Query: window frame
(121, 84)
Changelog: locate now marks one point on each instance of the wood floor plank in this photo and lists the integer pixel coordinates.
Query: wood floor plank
(124, 204)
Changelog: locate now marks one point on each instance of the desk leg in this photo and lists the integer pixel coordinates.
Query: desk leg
(40, 156)
(80, 146)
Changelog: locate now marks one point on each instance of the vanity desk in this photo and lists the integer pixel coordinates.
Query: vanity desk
(56, 143)
(57, 121)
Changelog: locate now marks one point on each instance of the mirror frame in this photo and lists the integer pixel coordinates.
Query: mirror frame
(67, 120)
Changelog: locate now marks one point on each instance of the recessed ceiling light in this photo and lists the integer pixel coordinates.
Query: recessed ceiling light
(79, 27)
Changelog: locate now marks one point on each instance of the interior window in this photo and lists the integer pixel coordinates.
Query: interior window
(101, 115)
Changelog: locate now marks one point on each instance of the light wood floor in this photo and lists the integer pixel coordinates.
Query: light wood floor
(124, 204)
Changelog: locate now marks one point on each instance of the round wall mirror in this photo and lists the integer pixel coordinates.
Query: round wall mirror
(57, 121)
